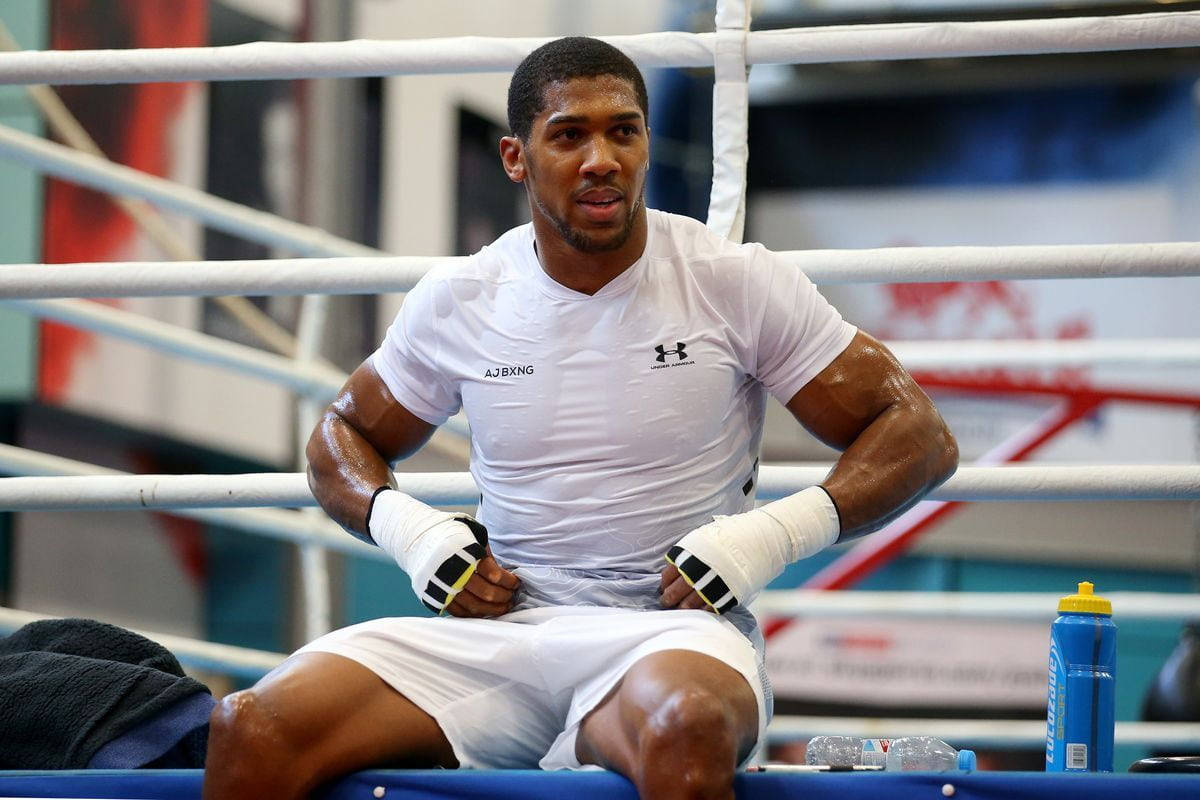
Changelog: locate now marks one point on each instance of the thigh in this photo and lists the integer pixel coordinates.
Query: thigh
(347, 717)
(596, 653)
(475, 678)
(655, 685)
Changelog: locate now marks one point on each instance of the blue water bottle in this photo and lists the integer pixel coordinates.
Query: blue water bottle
(1083, 665)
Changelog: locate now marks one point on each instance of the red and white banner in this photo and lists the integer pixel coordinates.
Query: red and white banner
(161, 129)
(935, 663)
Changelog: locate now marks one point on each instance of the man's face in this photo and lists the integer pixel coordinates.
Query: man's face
(585, 162)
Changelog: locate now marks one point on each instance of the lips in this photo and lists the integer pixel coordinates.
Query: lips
(600, 205)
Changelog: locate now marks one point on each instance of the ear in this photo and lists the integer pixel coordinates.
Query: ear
(512, 156)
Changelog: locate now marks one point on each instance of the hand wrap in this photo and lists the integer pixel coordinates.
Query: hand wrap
(438, 550)
(730, 560)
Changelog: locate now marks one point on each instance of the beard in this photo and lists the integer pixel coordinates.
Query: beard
(586, 243)
(576, 238)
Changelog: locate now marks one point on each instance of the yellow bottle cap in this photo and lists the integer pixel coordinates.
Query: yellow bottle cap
(1085, 602)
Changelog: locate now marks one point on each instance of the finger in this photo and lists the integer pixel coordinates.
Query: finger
(492, 572)
(675, 593)
(488, 592)
(669, 575)
(456, 610)
(466, 604)
(694, 601)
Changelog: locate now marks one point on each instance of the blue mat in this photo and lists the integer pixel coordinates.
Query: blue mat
(532, 785)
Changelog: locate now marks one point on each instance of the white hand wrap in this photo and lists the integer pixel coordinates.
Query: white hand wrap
(438, 550)
(730, 560)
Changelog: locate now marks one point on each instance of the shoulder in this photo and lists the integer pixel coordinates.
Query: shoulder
(676, 235)
(480, 272)
(706, 256)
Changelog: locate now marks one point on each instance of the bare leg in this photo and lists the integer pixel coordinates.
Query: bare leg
(316, 717)
(677, 726)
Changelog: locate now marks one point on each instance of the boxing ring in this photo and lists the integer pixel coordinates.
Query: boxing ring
(530, 785)
(257, 504)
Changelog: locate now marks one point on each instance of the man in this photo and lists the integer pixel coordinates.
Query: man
(613, 363)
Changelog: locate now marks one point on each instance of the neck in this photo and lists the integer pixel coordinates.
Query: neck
(583, 271)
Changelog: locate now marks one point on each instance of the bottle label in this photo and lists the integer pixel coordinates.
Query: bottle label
(1056, 710)
(874, 752)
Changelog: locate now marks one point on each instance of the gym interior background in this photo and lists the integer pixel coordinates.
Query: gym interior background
(1071, 149)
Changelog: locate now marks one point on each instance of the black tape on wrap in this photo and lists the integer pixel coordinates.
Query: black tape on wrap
(703, 579)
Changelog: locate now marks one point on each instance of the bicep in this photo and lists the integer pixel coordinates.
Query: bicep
(864, 381)
(367, 406)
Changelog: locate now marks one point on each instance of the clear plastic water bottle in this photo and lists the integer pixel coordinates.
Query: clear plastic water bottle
(846, 752)
(926, 754)
(834, 751)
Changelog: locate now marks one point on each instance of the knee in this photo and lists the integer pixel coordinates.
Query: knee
(695, 731)
(250, 753)
(242, 730)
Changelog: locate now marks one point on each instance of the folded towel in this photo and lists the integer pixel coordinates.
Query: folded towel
(70, 686)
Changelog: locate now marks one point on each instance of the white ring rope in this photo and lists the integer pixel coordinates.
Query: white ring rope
(349, 275)
(1035, 606)
(1001, 733)
(264, 277)
(1027, 483)
(233, 218)
(898, 41)
(1031, 353)
(1021, 262)
(240, 661)
(284, 60)
(316, 589)
(350, 59)
(273, 523)
(312, 379)
(1007, 483)
(730, 121)
(307, 378)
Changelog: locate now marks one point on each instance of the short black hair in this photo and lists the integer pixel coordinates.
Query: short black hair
(562, 60)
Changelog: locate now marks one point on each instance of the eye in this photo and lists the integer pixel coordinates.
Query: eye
(568, 134)
(628, 130)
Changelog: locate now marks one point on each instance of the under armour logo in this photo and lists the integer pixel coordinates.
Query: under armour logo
(664, 352)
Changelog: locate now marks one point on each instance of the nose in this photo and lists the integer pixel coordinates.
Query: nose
(600, 158)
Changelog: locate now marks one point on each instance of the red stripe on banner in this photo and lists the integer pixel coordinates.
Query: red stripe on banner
(1005, 384)
(132, 125)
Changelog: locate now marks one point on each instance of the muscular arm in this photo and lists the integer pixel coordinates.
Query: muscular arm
(349, 453)
(358, 436)
(895, 445)
(895, 448)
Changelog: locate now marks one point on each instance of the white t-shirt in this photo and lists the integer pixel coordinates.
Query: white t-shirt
(604, 427)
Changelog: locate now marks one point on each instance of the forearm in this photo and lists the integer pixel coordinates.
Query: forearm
(344, 471)
(895, 448)
(444, 554)
(903, 453)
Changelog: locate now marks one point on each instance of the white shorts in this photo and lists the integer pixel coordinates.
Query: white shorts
(510, 693)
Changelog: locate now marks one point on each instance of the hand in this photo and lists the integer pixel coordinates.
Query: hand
(675, 592)
(730, 560)
(488, 593)
(445, 555)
